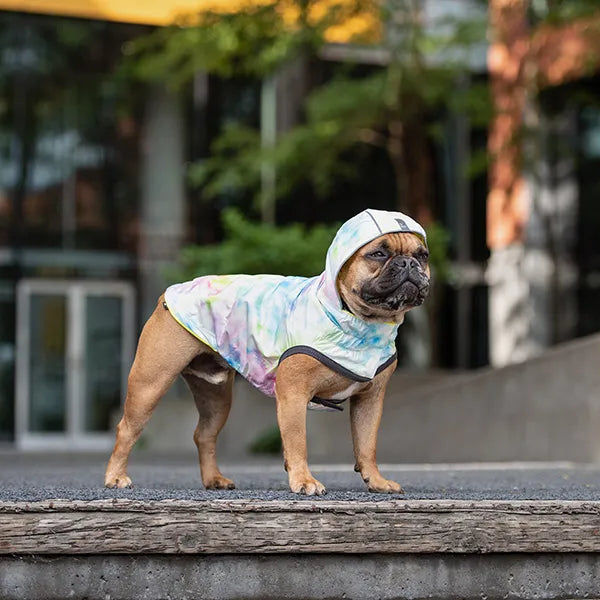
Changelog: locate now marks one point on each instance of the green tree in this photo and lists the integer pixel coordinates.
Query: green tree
(418, 73)
(254, 248)
(422, 73)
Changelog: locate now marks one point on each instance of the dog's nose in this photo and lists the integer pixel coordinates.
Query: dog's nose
(405, 262)
(401, 263)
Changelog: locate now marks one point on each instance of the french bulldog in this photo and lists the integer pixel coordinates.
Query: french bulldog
(310, 342)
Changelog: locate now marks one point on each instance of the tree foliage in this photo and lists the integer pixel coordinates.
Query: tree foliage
(254, 41)
(422, 75)
(254, 248)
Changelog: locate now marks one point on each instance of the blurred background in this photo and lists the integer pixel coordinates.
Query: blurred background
(146, 143)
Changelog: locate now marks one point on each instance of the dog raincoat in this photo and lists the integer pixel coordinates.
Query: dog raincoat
(256, 321)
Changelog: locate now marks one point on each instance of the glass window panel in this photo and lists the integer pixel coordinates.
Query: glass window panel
(7, 360)
(47, 363)
(69, 135)
(103, 361)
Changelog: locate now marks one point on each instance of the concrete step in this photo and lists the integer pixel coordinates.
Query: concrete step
(301, 577)
(256, 549)
(528, 531)
(225, 550)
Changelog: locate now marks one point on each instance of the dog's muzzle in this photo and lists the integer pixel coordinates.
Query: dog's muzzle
(403, 282)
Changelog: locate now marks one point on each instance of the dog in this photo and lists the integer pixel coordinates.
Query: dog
(310, 342)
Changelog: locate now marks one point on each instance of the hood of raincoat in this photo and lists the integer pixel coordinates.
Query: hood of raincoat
(256, 321)
(353, 235)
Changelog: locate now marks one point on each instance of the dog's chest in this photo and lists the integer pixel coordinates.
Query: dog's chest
(344, 394)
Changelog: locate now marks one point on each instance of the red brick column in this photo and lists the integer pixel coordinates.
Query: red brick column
(507, 212)
(519, 57)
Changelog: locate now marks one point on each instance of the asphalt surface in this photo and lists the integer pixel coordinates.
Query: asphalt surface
(32, 477)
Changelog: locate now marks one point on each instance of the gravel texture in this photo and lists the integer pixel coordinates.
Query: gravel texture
(31, 477)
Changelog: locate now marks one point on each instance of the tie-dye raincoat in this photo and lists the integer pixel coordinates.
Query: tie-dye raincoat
(256, 321)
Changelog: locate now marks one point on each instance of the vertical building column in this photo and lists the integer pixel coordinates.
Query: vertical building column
(550, 236)
(509, 308)
(532, 202)
(281, 99)
(463, 227)
(533, 281)
(268, 138)
(162, 211)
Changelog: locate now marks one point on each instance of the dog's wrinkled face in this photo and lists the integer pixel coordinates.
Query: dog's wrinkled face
(386, 278)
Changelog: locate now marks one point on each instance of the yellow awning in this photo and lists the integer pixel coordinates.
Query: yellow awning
(166, 12)
(146, 12)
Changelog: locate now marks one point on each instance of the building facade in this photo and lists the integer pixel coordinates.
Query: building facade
(84, 228)
(94, 207)
(542, 205)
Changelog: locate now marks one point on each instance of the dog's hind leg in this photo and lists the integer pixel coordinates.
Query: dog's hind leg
(212, 388)
(164, 350)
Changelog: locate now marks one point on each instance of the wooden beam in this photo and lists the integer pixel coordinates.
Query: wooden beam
(304, 526)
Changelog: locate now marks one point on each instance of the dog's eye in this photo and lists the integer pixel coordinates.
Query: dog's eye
(422, 255)
(378, 254)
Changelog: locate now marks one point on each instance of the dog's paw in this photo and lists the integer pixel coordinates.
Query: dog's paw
(219, 483)
(117, 481)
(308, 486)
(380, 485)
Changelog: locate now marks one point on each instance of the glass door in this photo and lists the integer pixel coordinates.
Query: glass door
(47, 363)
(74, 349)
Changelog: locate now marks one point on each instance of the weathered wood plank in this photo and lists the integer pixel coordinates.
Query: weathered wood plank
(304, 505)
(241, 526)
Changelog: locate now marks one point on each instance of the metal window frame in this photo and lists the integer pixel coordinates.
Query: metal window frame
(75, 293)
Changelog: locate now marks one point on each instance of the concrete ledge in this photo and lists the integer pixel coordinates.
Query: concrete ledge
(298, 577)
(547, 408)
(308, 526)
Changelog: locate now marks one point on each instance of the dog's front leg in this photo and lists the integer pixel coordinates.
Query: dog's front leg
(292, 400)
(291, 416)
(365, 416)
